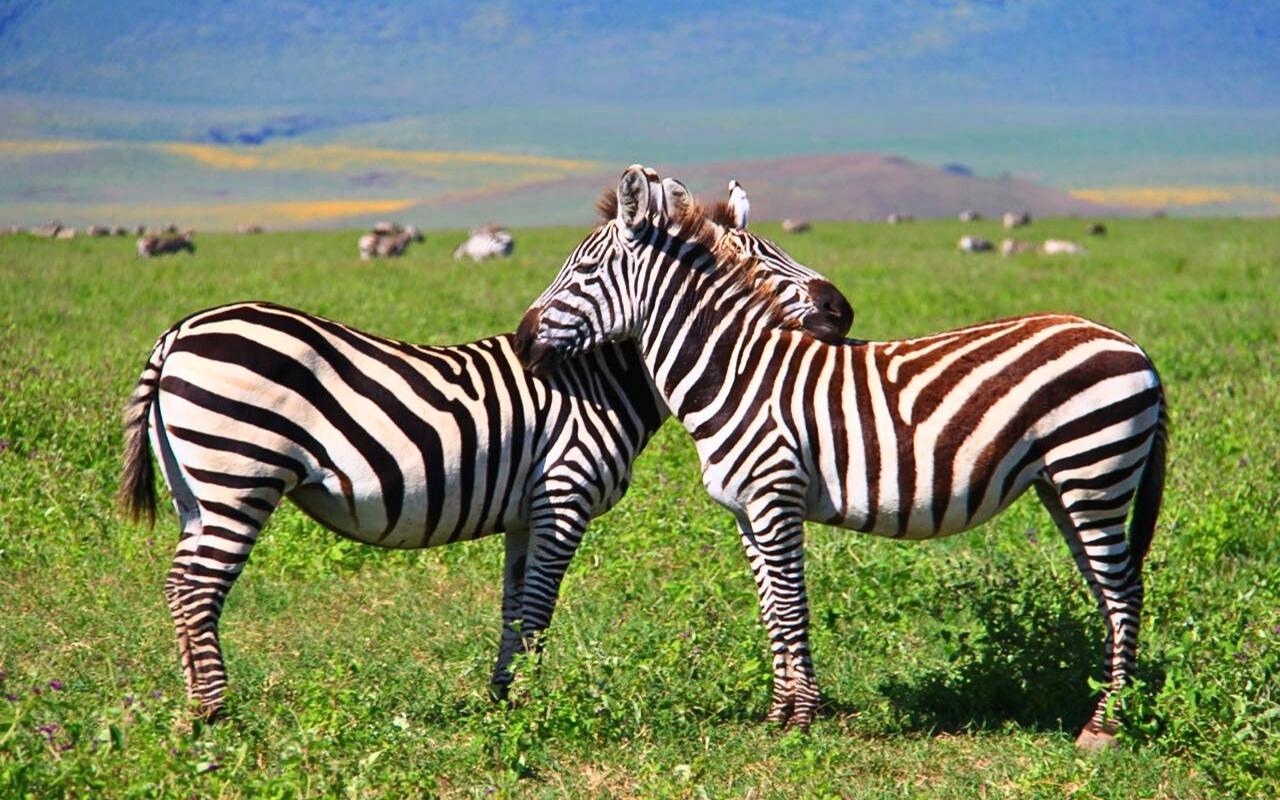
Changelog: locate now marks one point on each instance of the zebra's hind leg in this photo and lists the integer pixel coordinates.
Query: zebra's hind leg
(213, 557)
(1092, 520)
(172, 595)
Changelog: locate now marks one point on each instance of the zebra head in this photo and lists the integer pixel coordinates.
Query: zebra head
(648, 221)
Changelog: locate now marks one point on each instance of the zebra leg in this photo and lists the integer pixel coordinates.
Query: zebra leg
(172, 586)
(556, 530)
(213, 557)
(780, 706)
(513, 569)
(774, 543)
(1095, 533)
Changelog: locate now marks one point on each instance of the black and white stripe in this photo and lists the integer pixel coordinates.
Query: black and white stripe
(385, 442)
(915, 438)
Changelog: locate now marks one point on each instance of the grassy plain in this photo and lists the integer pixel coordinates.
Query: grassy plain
(957, 668)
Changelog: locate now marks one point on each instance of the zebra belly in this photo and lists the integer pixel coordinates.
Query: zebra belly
(331, 510)
(420, 521)
(888, 520)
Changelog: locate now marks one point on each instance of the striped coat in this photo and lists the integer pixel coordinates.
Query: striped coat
(907, 439)
(389, 443)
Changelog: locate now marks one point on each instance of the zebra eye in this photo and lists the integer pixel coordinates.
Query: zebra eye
(586, 265)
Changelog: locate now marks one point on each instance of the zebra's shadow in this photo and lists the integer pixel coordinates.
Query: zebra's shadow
(1038, 681)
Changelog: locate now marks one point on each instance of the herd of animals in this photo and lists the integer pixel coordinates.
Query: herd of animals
(1013, 247)
(390, 239)
(384, 239)
(667, 307)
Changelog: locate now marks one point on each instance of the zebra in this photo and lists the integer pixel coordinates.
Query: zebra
(156, 245)
(393, 444)
(486, 241)
(914, 438)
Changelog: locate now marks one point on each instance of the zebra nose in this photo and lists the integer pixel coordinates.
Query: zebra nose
(834, 316)
(539, 358)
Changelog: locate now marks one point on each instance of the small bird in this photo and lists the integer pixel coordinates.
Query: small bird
(739, 204)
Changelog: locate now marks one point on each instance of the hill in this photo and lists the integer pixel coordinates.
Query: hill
(844, 186)
(294, 184)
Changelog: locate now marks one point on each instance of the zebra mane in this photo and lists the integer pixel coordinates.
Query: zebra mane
(718, 213)
(703, 225)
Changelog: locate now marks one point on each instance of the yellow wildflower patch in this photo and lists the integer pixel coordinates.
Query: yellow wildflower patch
(35, 147)
(340, 157)
(1162, 196)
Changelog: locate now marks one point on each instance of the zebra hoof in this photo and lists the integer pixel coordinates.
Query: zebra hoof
(779, 715)
(800, 720)
(207, 714)
(1096, 739)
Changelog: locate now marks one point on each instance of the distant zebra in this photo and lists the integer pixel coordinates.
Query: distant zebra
(486, 241)
(974, 244)
(1061, 247)
(1015, 219)
(913, 439)
(1014, 247)
(393, 444)
(393, 246)
(162, 244)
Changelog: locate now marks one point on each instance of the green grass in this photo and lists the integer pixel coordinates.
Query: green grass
(951, 669)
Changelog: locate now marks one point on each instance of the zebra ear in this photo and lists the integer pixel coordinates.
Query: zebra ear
(633, 197)
(678, 200)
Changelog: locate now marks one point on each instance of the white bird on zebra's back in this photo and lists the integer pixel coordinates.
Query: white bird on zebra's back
(739, 204)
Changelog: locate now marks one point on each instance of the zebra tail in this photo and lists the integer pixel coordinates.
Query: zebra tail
(137, 495)
(1146, 506)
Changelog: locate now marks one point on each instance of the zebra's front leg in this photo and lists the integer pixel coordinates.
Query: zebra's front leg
(774, 545)
(556, 530)
(516, 559)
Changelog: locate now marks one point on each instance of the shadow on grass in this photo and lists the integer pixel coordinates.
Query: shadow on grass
(1027, 660)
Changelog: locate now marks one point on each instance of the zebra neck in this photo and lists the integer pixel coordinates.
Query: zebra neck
(698, 344)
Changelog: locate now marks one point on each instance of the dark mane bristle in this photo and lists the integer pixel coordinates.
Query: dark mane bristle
(721, 214)
(702, 224)
(607, 204)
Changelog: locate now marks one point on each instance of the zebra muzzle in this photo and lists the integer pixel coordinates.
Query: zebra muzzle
(831, 322)
(539, 358)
